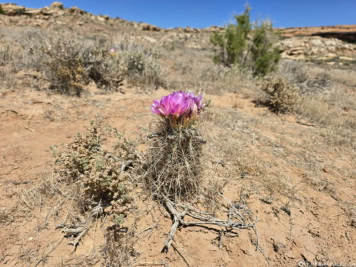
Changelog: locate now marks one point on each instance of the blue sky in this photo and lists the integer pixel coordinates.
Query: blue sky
(205, 13)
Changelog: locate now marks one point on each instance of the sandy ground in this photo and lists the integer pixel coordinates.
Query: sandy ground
(300, 189)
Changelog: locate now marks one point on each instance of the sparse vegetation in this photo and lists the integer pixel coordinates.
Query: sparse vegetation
(297, 74)
(141, 67)
(70, 62)
(235, 183)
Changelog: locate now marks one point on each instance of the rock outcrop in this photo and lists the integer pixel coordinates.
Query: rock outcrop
(341, 32)
(149, 27)
(317, 48)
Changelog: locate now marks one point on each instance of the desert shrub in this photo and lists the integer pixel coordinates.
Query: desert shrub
(282, 96)
(173, 169)
(5, 55)
(318, 83)
(101, 177)
(294, 71)
(30, 55)
(139, 61)
(68, 62)
(103, 68)
(65, 68)
(140, 64)
(248, 45)
(1, 10)
(214, 73)
(144, 68)
(73, 64)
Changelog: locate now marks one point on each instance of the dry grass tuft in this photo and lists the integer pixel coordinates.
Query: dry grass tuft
(119, 246)
(5, 216)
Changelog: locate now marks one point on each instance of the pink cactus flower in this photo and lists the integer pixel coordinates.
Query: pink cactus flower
(180, 108)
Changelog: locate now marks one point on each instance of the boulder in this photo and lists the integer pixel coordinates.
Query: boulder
(13, 9)
(76, 10)
(56, 5)
(149, 27)
(188, 29)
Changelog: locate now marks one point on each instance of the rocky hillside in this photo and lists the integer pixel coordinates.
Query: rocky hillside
(332, 44)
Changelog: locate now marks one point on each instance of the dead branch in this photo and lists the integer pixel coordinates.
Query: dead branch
(76, 241)
(204, 220)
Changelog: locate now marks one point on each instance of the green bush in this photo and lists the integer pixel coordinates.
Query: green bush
(233, 41)
(247, 45)
(1, 10)
(264, 56)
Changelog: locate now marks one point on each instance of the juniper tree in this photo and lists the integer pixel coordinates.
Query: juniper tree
(248, 45)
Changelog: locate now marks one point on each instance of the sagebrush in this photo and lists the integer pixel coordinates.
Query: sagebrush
(73, 64)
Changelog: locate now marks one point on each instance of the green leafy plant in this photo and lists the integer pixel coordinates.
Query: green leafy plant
(233, 41)
(264, 55)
